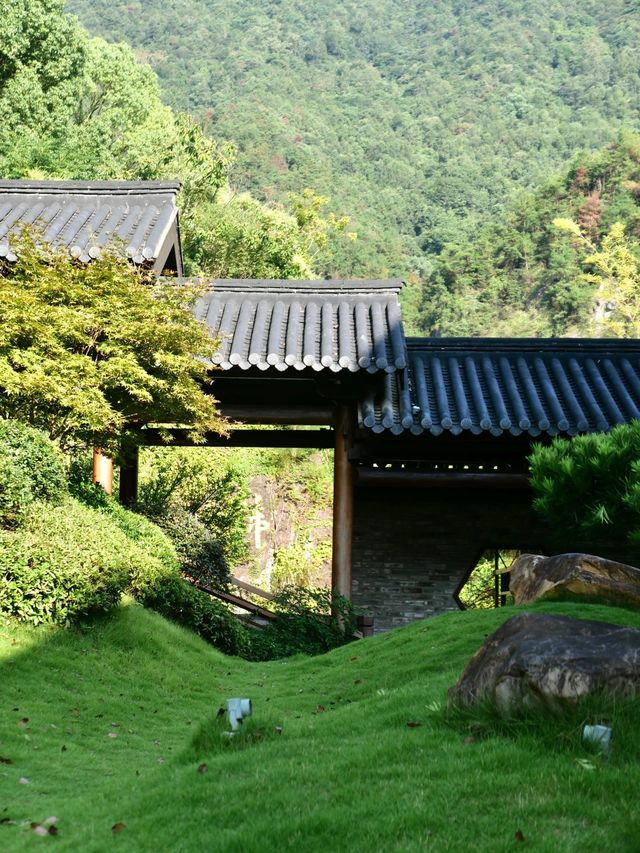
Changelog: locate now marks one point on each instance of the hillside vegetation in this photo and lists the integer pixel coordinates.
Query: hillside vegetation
(418, 119)
(112, 730)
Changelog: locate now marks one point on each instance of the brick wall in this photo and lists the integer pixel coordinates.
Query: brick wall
(414, 547)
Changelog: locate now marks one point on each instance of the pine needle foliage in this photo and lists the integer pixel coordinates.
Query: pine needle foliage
(590, 485)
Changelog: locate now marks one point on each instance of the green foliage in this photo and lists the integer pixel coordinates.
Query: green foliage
(31, 469)
(63, 563)
(200, 481)
(310, 621)
(103, 118)
(42, 55)
(200, 553)
(479, 591)
(419, 121)
(243, 239)
(541, 268)
(182, 603)
(299, 562)
(89, 352)
(589, 486)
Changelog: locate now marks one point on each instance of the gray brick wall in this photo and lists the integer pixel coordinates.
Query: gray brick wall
(413, 548)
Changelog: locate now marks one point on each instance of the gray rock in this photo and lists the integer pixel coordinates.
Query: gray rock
(537, 661)
(574, 576)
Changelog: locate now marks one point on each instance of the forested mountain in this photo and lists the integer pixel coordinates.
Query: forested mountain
(532, 271)
(419, 118)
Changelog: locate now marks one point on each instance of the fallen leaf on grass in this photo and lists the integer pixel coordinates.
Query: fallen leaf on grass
(413, 724)
(118, 827)
(519, 836)
(47, 827)
(202, 768)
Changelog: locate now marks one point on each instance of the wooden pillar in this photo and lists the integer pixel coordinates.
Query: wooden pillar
(129, 476)
(342, 505)
(102, 470)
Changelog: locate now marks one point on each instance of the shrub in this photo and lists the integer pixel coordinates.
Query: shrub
(200, 554)
(31, 469)
(62, 563)
(201, 482)
(310, 621)
(182, 603)
(157, 557)
(589, 486)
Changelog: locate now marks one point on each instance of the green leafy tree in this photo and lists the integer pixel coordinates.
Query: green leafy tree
(42, 57)
(90, 353)
(202, 483)
(613, 269)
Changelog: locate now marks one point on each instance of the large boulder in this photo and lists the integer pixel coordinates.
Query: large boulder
(574, 576)
(535, 661)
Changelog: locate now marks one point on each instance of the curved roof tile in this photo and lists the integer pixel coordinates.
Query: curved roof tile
(499, 386)
(83, 216)
(322, 325)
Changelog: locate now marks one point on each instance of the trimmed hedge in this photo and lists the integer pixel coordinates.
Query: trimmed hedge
(182, 603)
(63, 562)
(31, 469)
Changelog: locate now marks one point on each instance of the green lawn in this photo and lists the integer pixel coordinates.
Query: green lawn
(110, 724)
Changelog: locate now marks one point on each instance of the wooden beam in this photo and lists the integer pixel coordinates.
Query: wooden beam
(312, 438)
(129, 476)
(342, 505)
(283, 415)
(437, 479)
(102, 470)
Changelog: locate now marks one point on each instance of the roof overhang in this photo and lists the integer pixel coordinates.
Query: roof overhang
(140, 218)
(293, 326)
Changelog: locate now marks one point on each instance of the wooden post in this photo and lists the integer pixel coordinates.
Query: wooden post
(342, 505)
(102, 470)
(129, 476)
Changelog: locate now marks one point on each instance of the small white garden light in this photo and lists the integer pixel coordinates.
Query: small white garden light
(600, 736)
(238, 709)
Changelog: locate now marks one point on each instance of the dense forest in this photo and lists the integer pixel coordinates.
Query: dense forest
(418, 119)
(447, 137)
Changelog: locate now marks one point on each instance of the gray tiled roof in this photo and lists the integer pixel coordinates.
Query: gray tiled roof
(293, 325)
(83, 216)
(500, 386)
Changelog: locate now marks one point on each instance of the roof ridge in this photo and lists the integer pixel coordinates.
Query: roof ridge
(521, 344)
(252, 285)
(88, 187)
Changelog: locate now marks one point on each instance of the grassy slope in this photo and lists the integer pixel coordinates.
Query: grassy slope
(351, 777)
